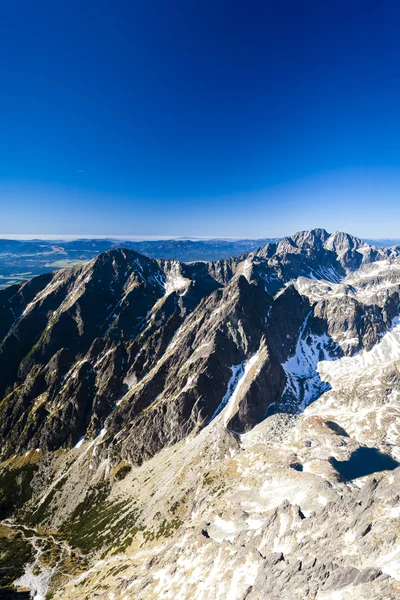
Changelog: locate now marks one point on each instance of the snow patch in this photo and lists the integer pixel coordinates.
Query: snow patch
(242, 374)
(304, 383)
(237, 373)
(175, 281)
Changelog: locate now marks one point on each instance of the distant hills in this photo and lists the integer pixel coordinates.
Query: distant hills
(23, 259)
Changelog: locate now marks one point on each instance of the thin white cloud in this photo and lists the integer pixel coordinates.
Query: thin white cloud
(91, 236)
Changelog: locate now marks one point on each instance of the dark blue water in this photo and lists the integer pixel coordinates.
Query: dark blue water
(364, 461)
(296, 466)
(7, 594)
(336, 428)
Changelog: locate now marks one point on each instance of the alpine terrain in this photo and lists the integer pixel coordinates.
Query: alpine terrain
(222, 430)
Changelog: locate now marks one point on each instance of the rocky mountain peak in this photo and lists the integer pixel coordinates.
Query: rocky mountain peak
(339, 242)
(286, 245)
(313, 238)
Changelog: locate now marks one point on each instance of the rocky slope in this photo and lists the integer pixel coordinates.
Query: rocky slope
(220, 430)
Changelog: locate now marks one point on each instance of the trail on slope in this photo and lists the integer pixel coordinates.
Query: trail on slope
(37, 576)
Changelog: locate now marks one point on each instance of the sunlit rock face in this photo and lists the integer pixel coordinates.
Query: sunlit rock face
(205, 430)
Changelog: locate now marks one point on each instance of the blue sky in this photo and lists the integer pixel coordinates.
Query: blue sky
(212, 118)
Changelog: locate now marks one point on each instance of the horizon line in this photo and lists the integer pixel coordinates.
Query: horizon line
(142, 238)
(70, 237)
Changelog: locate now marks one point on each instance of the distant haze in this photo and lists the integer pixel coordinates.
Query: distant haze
(138, 238)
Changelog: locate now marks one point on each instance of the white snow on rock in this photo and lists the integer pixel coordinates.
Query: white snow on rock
(175, 281)
(304, 383)
(246, 268)
(390, 563)
(358, 400)
(239, 375)
(349, 367)
(227, 529)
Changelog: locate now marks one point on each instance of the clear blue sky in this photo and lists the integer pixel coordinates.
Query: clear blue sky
(199, 117)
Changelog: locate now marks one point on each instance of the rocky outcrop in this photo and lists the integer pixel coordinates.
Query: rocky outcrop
(263, 389)
(185, 388)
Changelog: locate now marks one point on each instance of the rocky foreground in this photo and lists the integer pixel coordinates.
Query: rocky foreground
(221, 430)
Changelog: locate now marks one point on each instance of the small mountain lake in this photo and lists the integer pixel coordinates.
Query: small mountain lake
(364, 461)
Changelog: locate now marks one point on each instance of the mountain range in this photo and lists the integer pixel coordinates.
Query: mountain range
(225, 429)
(22, 259)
